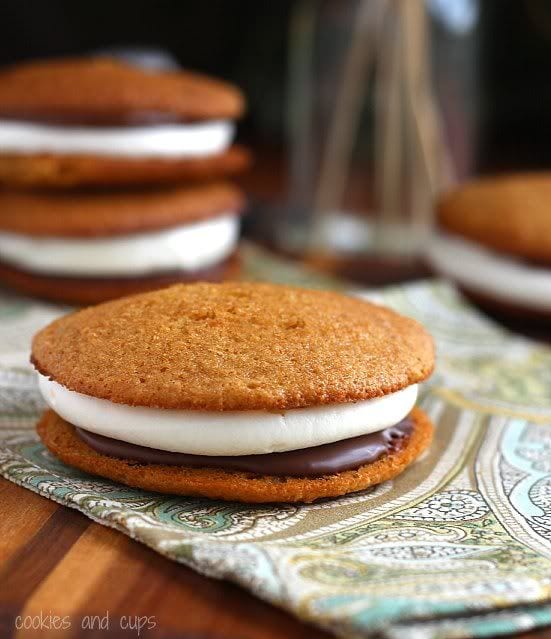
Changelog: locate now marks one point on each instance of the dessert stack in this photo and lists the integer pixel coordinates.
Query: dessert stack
(114, 179)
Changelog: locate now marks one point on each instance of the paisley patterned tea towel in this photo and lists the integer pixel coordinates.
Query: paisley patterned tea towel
(457, 546)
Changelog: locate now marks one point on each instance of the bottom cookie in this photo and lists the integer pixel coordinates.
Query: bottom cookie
(84, 291)
(62, 440)
(43, 170)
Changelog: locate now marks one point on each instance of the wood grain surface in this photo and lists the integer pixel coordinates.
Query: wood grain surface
(54, 561)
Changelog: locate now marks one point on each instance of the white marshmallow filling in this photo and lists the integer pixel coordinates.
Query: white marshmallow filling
(164, 141)
(213, 433)
(189, 248)
(485, 271)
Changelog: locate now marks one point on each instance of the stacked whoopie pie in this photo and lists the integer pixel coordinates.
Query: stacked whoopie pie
(248, 392)
(495, 243)
(114, 178)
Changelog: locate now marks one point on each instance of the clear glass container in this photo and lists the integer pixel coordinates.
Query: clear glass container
(381, 114)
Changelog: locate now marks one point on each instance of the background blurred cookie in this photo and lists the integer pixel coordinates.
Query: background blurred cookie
(100, 121)
(496, 242)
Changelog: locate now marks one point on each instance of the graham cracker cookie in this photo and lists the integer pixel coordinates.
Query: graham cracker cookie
(509, 214)
(84, 291)
(108, 92)
(52, 171)
(108, 213)
(235, 346)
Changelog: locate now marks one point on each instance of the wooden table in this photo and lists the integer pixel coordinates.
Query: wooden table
(54, 560)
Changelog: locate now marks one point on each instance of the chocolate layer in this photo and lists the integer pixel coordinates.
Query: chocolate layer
(96, 119)
(308, 462)
(527, 320)
(91, 290)
(540, 264)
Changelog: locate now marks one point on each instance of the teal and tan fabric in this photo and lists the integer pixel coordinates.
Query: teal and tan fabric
(457, 546)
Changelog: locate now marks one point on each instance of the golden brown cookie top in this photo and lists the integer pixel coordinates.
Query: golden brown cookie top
(61, 172)
(234, 346)
(510, 213)
(89, 214)
(107, 91)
